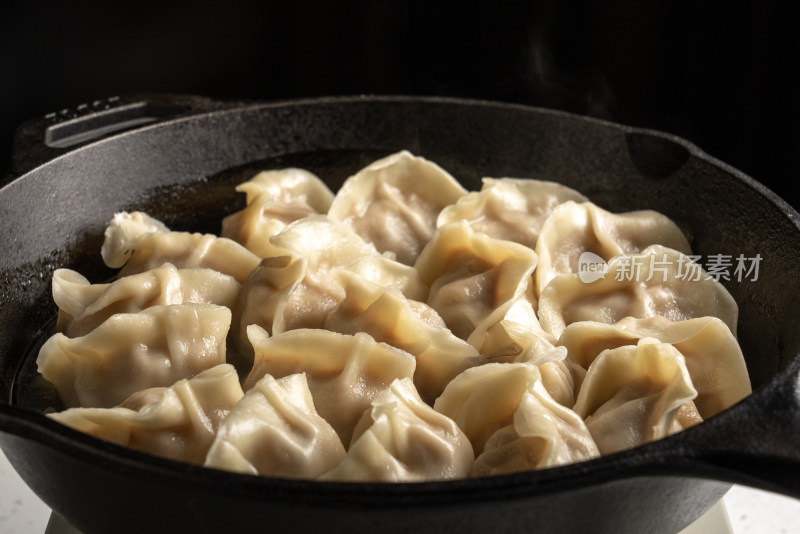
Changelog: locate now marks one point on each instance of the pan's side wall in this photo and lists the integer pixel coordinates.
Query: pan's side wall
(103, 498)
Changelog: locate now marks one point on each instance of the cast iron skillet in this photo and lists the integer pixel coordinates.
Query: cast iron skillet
(179, 158)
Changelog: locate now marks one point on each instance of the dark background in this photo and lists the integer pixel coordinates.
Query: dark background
(723, 75)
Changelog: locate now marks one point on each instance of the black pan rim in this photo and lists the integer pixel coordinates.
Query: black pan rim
(244, 106)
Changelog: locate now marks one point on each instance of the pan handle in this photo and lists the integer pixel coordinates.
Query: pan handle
(756, 444)
(43, 138)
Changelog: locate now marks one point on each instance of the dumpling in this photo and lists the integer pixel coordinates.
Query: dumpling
(263, 301)
(344, 372)
(543, 433)
(299, 289)
(573, 229)
(512, 323)
(324, 244)
(558, 381)
(638, 285)
(513, 209)
(82, 306)
(276, 431)
(178, 422)
(137, 248)
(275, 199)
(291, 187)
(713, 357)
(635, 394)
(388, 273)
(125, 228)
(470, 275)
(133, 351)
(483, 399)
(400, 438)
(393, 203)
(261, 219)
(512, 334)
(387, 316)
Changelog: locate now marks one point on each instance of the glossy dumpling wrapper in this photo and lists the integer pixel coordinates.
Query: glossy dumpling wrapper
(83, 306)
(483, 399)
(513, 209)
(555, 373)
(344, 372)
(573, 229)
(291, 186)
(276, 431)
(387, 316)
(635, 394)
(513, 322)
(655, 282)
(263, 300)
(713, 357)
(512, 334)
(130, 352)
(273, 200)
(253, 226)
(393, 203)
(471, 274)
(125, 228)
(324, 244)
(138, 247)
(544, 433)
(558, 381)
(177, 422)
(400, 438)
(299, 288)
(386, 272)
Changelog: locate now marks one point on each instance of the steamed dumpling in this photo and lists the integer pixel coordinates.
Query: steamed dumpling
(178, 422)
(483, 399)
(82, 306)
(137, 247)
(344, 372)
(386, 315)
(263, 301)
(512, 323)
(512, 334)
(275, 199)
(576, 228)
(386, 272)
(276, 431)
(543, 433)
(253, 226)
(400, 438)
(393, 203)
(513, 209)
(634, 394)
(324, 245)
(713, 357)
(299, 288)
(125, 228)
(133, 351)
(470, 275)
(290, 187)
